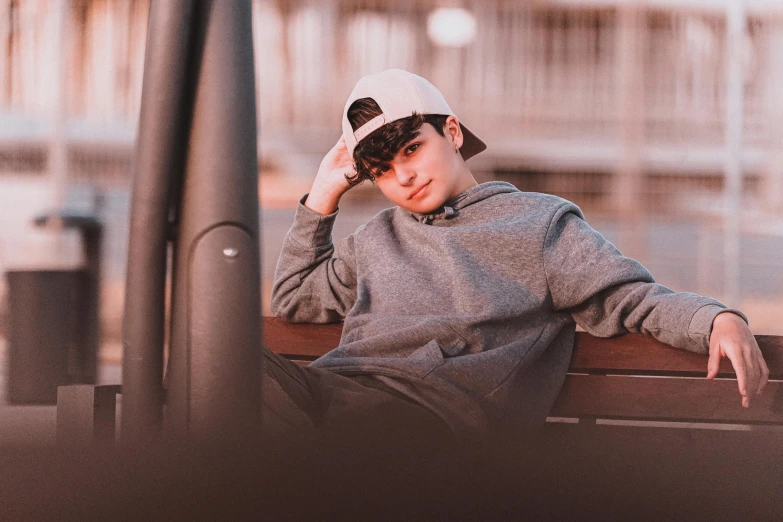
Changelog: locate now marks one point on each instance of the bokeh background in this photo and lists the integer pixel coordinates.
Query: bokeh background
(661, 119)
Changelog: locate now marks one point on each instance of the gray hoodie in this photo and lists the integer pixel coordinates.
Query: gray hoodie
(470, 310)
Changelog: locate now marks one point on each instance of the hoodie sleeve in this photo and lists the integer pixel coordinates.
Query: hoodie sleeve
(609, 294)
(314, 282)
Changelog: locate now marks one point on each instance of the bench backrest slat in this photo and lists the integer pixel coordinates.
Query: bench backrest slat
(666, 399)
(632, 353)
(644, 355)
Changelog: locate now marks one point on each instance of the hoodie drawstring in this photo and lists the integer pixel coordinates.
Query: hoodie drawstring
(447, 213)
(476, 193)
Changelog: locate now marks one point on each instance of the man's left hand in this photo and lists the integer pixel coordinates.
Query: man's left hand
(732, 338)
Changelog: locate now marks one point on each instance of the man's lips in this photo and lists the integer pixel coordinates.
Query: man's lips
(418, 190)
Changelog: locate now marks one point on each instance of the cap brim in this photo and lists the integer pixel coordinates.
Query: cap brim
(471, 144)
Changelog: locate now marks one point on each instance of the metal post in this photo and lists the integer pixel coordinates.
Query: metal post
(774, 164)
(735, 33)
(86, 338)
(631, 32)
(160, 147)
(215, 358)
(58, 146)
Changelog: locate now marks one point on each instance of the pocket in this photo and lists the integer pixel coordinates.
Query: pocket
(451, 344)
(431, 352)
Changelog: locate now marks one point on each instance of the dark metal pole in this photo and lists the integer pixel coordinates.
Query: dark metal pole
(215, 358)
(196, 161)
(160, 147)
(85, 336)
(89, 341)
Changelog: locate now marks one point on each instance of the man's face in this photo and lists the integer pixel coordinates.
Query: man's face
(427, 171)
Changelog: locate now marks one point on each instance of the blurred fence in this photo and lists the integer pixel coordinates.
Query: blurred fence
(662, 120)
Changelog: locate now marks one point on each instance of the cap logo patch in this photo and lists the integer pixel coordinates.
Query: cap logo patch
(368, 127)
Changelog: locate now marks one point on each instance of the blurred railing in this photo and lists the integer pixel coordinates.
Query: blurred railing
(537, 69)
(572, 96)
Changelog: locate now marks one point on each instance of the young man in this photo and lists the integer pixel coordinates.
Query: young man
(460, 302)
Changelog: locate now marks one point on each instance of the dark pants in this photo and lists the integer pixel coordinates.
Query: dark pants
(312, 406)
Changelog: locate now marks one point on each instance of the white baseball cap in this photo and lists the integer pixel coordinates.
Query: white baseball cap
(399, 93)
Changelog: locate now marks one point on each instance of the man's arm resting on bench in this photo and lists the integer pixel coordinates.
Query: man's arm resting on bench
(609, 294)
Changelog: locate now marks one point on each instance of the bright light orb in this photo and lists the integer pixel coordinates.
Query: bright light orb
(451, 27)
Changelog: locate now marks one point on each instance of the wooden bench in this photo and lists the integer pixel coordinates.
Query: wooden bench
(633, 378)
(637, 428)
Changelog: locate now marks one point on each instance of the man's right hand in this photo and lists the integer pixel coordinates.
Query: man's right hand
(330, 183)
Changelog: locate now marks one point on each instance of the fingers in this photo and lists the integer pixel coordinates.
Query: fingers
(764, 377)
(739, 345)
(740, 368)
(756, 371)
(753, 374)
(762, 365)
(713, 365)
(749, 365)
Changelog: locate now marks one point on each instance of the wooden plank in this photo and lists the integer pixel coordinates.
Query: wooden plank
(628, 354)
(666, 399)
(304, 340)
(643, 354)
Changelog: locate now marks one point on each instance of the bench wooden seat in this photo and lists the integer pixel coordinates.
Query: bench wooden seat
(628, 378)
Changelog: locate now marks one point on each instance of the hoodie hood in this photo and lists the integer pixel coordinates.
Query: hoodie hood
(474, 194)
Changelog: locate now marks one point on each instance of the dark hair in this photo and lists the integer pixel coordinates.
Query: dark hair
(374, 153)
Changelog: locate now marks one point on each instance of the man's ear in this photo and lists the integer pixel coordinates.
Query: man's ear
(452, 129)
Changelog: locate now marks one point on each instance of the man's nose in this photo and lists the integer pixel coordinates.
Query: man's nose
(405, 175)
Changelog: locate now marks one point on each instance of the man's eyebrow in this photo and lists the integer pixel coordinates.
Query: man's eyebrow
(419, 137)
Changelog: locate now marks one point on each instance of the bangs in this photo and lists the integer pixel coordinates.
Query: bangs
(373, 155)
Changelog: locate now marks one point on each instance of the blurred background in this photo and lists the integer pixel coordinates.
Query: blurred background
(661, 119)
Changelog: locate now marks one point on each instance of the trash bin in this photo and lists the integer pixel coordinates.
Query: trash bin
(53, 322)
(43, 310)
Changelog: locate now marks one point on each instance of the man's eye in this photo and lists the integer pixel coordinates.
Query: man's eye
(412, 148)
